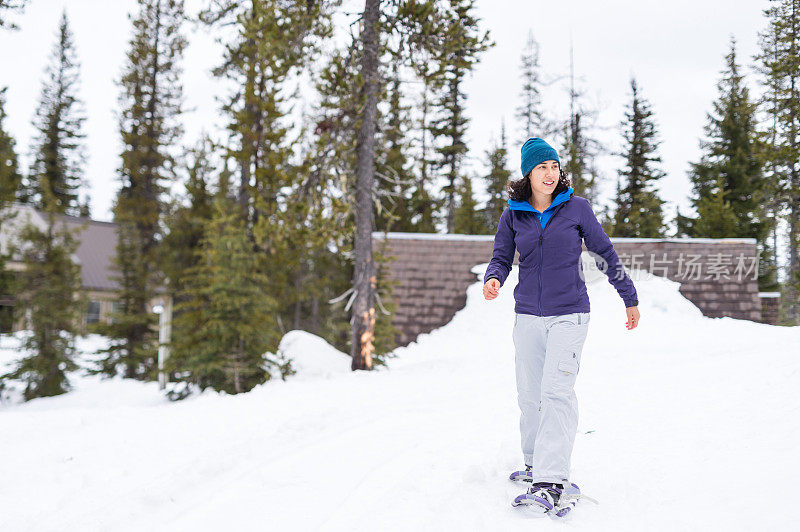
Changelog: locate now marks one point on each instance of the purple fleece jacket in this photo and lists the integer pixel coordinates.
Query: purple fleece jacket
(550, 267)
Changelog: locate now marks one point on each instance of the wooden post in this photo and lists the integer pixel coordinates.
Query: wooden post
(164, 335)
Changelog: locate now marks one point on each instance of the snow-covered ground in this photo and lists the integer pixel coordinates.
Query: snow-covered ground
(686, 423)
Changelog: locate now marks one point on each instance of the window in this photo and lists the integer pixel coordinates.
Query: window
(117, 307)
(93, 313)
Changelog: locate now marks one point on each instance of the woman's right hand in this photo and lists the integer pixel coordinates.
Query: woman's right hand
(490, 289)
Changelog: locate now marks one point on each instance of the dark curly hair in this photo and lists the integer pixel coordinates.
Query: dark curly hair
(520, 190)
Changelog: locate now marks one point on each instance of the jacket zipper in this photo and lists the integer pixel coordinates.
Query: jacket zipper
(541, 251)
(541, 263)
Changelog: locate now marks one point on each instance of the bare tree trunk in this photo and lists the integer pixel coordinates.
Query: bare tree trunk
(248, 141)
(793, 278)
(451, 186)
(243, 195)
(298, 291)
(315, 316)
(363, 318)
(577, 164)
(237, 381)
(423, 176)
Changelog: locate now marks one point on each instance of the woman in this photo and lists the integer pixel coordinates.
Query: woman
(546, 223)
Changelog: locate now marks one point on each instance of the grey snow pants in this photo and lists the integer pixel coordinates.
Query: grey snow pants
(548, 355)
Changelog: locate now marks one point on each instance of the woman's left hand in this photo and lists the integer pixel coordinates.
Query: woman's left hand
(633, 317)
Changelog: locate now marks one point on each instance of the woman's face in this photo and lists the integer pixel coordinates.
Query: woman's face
(544, 177)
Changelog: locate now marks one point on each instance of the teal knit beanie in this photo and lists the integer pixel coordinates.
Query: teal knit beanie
(534, 152)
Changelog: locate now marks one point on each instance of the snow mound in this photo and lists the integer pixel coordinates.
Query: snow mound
(312, 356)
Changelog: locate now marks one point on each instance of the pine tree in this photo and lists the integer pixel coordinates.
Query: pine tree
(469, 220)
(10, 6)
(187, 219)
(274, 42)
(395, 181)
(329, 163)
(608, 213)
(422, 204)
(58, 150)
(780, 66)
(606, 219)
(774, 204)
(530, 114)
(316, 217)
(496, 180)
(464, 42)
(332, 156)
(10, 177)
(51, 283)
(185, 222)
(716, 216)
(220, 339)
(638, 205)
(426, 24)
(327, 267)
(730, 167)
(151, 102)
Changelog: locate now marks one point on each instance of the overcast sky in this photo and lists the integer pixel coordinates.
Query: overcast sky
(675, 49)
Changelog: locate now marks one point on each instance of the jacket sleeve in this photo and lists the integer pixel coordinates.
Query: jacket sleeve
(597, 241)
(504, 248)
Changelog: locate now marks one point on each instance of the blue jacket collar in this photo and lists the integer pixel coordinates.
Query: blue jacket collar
(525, 206)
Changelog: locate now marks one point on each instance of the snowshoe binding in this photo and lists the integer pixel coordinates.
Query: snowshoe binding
(525, 475)
(555, 500)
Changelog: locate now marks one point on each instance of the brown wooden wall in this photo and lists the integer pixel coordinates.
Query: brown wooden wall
(770, 303)
(434, 271)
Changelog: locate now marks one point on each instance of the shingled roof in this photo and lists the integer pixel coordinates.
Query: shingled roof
(96, 244)
(96, 252)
